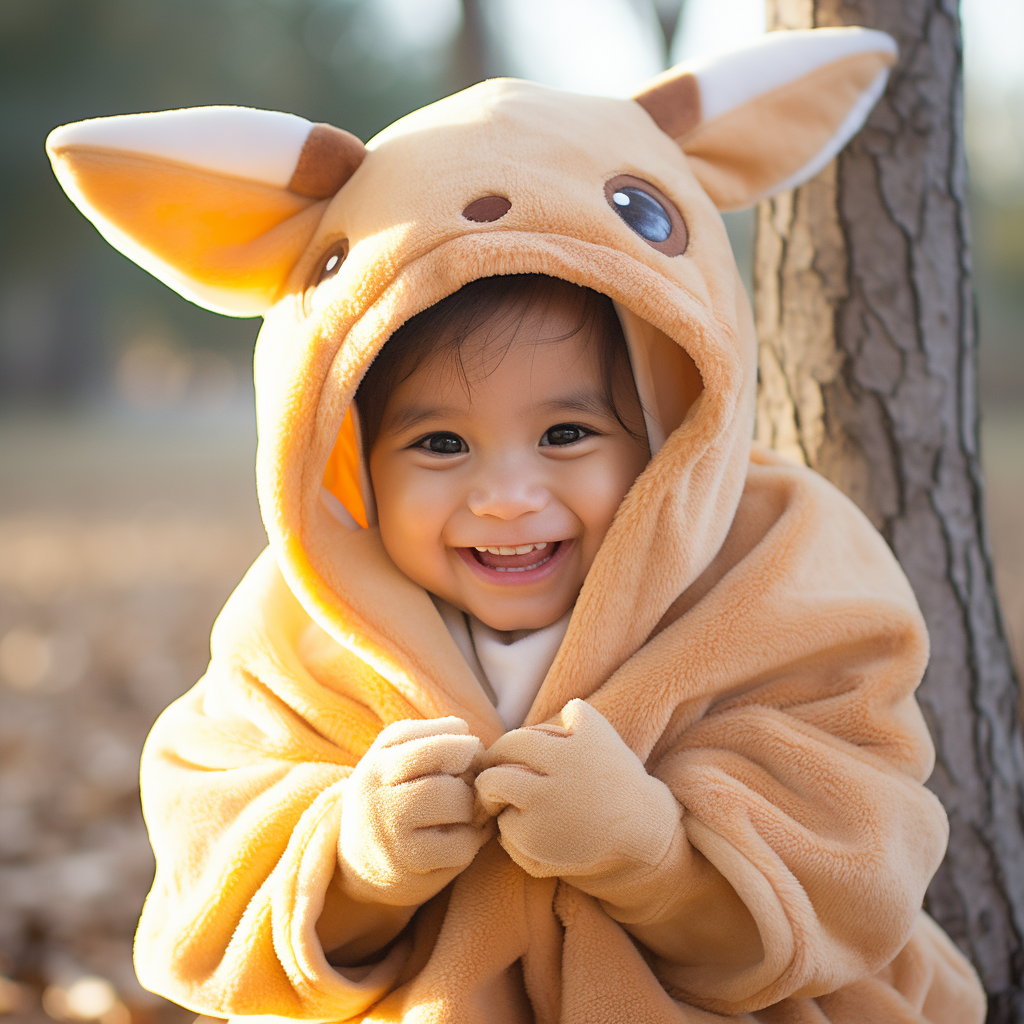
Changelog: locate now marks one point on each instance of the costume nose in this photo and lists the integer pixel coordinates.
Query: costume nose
(508, 493)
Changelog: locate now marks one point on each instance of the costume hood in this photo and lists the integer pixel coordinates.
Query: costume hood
(241, 211)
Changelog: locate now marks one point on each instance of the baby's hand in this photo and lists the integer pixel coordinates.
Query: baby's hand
(407, 826)
(576, 802)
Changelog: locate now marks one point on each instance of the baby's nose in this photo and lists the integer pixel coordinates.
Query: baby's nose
(508, 496)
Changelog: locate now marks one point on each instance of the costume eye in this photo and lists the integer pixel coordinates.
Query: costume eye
(326, 267)
(564, 433)
(443, 443)
(331, 262)
(648, 212)
(643, 213)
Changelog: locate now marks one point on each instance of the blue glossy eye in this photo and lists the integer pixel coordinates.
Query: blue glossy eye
(643, 213)
(648, 212)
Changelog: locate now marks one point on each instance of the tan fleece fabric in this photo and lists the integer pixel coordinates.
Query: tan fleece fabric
(580, 772)
(803, 845)
(407, 818)
(805, 112)
(745, 646)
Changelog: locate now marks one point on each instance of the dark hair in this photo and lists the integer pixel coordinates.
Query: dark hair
(501, 303)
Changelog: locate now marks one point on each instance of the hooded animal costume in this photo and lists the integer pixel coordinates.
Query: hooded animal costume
(743, 630)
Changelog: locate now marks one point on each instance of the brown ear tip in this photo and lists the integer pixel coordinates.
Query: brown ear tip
(673, 101)
(328, 159)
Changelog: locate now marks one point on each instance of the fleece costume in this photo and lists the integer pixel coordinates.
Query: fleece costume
(744, 645)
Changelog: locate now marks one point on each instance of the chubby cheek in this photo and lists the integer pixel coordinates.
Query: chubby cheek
(595, 496)
(412, 514)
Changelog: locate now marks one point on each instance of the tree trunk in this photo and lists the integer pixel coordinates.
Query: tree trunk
(472, 56)
(868, 373)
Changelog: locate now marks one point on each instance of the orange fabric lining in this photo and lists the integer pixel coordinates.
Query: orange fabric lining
(211, 227)
(341, 476)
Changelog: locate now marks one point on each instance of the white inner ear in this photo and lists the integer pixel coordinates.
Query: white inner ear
(243, 142)
(731, 79)
(660, 370)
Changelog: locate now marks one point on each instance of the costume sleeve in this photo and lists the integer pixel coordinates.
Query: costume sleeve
(243, 781)
(797, 755)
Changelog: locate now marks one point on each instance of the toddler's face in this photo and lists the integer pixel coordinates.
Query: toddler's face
(496, 493)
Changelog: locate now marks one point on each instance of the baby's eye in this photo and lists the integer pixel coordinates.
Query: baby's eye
(443, 443)
(564, 433)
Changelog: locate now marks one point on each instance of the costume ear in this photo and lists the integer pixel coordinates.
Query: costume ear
(217, 202)
(766, 118)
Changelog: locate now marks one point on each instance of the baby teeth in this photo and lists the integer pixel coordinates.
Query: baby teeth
(520, 549)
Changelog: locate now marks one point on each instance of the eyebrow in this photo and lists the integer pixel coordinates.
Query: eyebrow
(417, 414)
(583, 400)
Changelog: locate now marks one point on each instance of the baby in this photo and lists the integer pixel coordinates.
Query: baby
(503, 428)
(552, 699)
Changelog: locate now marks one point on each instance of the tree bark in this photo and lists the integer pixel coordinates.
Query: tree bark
(868, 374)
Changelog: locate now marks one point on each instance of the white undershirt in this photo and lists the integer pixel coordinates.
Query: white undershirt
(510, 666)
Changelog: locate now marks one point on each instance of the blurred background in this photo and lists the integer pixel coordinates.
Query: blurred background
(127, 505)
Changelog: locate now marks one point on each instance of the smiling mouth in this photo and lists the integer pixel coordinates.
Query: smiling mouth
(531, 565)
(520, 558)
